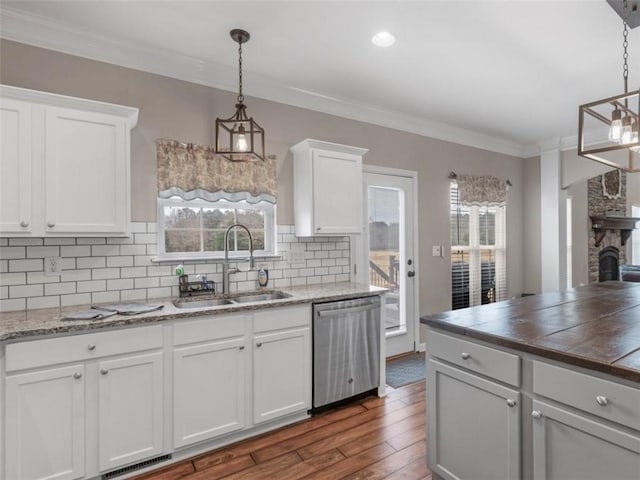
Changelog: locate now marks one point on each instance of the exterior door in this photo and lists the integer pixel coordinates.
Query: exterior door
(389, 260)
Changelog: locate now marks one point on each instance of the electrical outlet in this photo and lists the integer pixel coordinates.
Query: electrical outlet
(52, 266)
(436, 251)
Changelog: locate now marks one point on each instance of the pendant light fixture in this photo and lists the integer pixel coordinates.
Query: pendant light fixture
(618, 116)
(239, 138)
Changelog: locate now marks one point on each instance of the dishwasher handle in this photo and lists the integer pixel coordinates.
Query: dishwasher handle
(342, 311)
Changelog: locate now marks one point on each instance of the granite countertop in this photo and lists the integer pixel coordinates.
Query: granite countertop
(596, 326)
(48, 321)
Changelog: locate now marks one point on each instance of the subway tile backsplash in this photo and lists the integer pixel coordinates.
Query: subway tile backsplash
(105, 269)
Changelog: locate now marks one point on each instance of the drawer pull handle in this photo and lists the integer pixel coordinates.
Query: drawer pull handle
(77, 375)
(91, 346)
(24, 224)
(465, 356)
(511, 402)
(104, 371)
(536, 414)
(259, 344)
(241, 347)
(602, 400)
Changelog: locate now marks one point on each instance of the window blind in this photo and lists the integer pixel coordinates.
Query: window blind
(478, 253)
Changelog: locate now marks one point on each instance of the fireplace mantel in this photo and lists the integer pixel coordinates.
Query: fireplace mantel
(601, 223)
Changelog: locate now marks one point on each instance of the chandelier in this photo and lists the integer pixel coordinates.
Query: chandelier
(239, 138)
(608, 128)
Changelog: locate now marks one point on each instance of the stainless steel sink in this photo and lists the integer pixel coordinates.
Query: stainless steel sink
(260, 297)
(213, 302)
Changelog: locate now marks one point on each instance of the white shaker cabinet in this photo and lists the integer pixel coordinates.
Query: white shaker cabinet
(130, 409)
(210, 371)
(581, 413)
(83, 404)
(474, 426)
(65, 163)
(281, 362)
(45, 424)
(15, 167)
(327, 188)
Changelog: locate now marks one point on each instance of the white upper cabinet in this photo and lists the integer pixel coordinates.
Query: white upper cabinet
(327, 188)
(65, 165)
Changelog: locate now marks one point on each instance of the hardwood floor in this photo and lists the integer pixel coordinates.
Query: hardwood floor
(375, 438)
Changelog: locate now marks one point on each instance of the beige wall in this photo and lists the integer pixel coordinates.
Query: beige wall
(184, 111)
(532, 281)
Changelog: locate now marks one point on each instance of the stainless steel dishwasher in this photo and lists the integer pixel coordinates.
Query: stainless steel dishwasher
(346, 349)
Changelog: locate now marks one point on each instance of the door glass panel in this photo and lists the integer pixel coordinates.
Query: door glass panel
(385, 253)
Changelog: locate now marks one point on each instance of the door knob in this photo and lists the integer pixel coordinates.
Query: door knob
(51, 224)
(104, 371)
(536, 414)
(602, 400)
(24, 224)
(77, 375)
(511, 402)
(411, 274)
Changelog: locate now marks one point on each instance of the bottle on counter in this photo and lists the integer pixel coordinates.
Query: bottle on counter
(263, 277)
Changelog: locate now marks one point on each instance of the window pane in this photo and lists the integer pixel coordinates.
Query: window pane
(251, 218)
(181, 217)
(182, 240)
(487, 225)
(218, 218)
(460, 227)
(202, 227)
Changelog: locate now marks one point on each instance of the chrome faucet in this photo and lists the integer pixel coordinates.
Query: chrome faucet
(226, 271)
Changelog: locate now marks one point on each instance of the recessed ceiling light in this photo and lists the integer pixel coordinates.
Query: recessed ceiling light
(383, 39)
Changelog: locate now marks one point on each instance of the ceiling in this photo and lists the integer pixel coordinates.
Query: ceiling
(507, 76)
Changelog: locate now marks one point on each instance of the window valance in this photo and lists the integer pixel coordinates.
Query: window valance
(193, 171)
(481, 190)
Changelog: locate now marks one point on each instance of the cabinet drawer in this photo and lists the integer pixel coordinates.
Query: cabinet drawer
(208, 328)
(604, 398)
(279, 318)
(491, 362)
(51, 351)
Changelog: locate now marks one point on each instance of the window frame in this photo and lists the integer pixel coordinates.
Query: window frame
(474, 249)
(270, 233)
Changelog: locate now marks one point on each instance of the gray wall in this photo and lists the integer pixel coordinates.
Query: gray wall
(184, 111)
(531, 192)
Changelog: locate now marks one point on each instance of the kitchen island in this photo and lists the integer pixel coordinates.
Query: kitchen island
(541, 387)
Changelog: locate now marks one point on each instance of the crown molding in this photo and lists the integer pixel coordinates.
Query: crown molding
(42, 32)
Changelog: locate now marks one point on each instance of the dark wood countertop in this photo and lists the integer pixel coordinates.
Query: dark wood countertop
(596, 326)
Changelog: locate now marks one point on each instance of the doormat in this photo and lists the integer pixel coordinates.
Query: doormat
(406, 370)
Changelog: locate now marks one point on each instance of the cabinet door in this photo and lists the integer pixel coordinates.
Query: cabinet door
(281, 374)
(86, 173)
(337, 193)
(130, 409)
(567, 446)
(473, 426)
(208, 395)
(45, 424)
(15, 167)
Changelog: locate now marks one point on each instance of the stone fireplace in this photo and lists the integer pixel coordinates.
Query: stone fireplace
(606, 193)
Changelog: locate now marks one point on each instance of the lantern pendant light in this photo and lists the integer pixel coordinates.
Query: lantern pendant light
(239, 138)
(621, 149)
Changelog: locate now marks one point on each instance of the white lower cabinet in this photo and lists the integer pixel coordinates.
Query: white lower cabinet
(281, 385)
(221, 385)
(473, 427)
(84, 404)
(209, 393)
(578, 425)
(571, 446)
(45, 424)
(130, 409)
